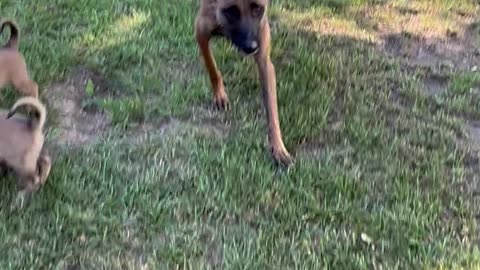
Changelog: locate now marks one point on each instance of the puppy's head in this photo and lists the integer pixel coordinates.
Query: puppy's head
(241, 21)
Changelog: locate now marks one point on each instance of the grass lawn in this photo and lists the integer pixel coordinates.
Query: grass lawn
(378, 100)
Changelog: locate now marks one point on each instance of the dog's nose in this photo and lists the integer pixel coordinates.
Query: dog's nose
(254, 45)
(251, 48)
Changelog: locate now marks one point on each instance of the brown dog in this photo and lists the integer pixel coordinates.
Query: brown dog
(13, 69)
(245, 24)
(21, 145)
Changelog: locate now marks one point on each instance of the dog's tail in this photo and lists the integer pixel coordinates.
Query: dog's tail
(14, 33)
(40, 113)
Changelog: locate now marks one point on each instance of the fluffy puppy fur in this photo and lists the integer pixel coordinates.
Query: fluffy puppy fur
(13, 68)
(21, 145)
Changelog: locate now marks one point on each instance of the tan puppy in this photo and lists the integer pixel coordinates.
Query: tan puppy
(13, 69)
(245, 24)
(21, 145)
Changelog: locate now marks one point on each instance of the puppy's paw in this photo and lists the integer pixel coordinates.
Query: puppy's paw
(44, 165)
(21, 200)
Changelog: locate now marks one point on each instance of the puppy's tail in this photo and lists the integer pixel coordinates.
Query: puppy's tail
(40, 113)
(12, 43)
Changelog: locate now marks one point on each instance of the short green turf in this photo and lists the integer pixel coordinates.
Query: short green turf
(379, 173)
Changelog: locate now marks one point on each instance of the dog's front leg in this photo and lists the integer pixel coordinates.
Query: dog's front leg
(203, 36)
(266, 72)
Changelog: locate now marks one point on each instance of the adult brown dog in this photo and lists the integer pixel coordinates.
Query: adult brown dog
(21, 145)
(13, 69)
(245, 24)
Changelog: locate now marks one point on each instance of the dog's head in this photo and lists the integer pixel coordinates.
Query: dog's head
(241, 21)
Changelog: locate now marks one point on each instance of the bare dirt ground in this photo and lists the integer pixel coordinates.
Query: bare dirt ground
(78, 123)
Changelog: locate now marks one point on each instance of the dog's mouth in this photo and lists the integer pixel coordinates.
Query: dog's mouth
(246, 54)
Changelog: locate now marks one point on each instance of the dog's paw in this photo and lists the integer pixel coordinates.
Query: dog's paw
(221, 102)
(282, 157)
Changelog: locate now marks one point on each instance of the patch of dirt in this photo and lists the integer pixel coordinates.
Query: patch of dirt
(473, 128)
(172, 126)
(416, 50)
(210, 122)
(76, 126)
(407, 11)
(471, 187)
(424, 37)
(311, 150)
(457, 51)
(213, 254)
(73, 267)
(435, 84)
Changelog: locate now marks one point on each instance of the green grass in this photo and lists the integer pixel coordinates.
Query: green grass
(375, 154)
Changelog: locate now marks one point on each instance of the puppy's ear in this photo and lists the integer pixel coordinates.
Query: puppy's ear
(11, 113)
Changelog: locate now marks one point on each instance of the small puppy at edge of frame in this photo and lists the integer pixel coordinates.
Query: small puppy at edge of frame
(13, 68)
(21, 147)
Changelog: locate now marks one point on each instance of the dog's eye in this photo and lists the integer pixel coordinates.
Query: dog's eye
(257, 10)
(232, 13)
